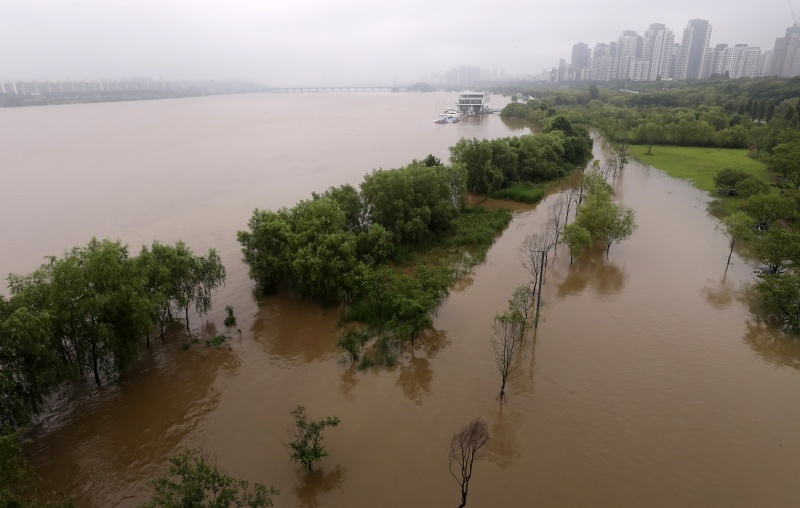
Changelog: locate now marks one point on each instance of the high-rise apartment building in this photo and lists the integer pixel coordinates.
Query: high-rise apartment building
(658, 41)
(692, 55)
(463, 76)
(580, 56)
(785, 55)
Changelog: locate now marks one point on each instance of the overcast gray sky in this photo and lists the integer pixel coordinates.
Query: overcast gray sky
(344, 42)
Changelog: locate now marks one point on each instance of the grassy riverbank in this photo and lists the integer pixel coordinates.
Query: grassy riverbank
(700, 164)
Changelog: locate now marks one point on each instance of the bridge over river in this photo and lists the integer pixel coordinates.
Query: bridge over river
(329, 89)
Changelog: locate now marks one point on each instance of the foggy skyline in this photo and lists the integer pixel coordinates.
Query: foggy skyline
(347, 42)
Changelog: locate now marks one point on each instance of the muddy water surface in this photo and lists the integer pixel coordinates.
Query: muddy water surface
(650, 381)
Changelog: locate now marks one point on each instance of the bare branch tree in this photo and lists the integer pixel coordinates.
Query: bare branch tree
(554, 220)
(571, 195)
(508, 336)
(529, 255)
(465, 447)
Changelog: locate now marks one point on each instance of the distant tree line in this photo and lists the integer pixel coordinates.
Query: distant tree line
(753, 114)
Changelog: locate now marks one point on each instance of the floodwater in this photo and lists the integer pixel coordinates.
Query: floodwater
(651, 380)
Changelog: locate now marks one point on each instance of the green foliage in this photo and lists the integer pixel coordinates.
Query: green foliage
(414, 201)
(777, 250)
(577, 239)
(306, 444)
(12, 467)
(780, 298)
(752, 186)
(177, 279)
(604, 220)
(766, 209)
(97, 303)
(415, 300)
(196, 483)
(17, 486)
(560, 123)
(217, 340)
(786, 161)
(351, 341)
(478, 229)
(266, 248)
(30, 366)
(494, 165)
(735, 227)
(431, 160)
(520, 192)
(728, 179)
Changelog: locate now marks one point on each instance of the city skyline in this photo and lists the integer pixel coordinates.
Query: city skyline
(351, 42)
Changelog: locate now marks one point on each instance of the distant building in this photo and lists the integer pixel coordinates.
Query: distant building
(692, 55)
(765, 63)
(464, 76)
(785, 55)
(580, 56)
(658, 42)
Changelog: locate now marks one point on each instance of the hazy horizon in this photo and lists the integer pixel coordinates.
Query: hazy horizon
(346, 43)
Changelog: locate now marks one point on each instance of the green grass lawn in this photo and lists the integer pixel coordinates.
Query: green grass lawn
(699, 165)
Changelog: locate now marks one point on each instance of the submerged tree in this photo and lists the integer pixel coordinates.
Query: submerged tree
(735, 227)
(306, 444)
(577, 239)
(508, 337)
(199, 484)
(466, 446)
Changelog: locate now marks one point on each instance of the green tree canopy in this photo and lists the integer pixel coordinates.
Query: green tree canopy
(196, 483)
(306, 444)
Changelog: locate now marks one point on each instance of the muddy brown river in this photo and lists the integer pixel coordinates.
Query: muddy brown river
(652, 380)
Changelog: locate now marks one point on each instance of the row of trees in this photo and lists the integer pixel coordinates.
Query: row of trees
(495, 164)
(88, 313)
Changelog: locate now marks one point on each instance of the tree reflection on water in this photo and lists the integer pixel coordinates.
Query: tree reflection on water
(503, 449)
(315, 485)
(594, 271)
(771, 344)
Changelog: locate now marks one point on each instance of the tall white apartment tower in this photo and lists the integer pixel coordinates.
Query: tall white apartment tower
(692, 55)
(658, 41)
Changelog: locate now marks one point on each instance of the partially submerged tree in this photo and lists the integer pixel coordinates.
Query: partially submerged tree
(777, 250)
(606, 221)
(508, 337)
(780, 297)
(466, 446)
(577, 239)
(351, 341)
(531, 255)
(195, 483)
(735, 227)
(306, 444)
